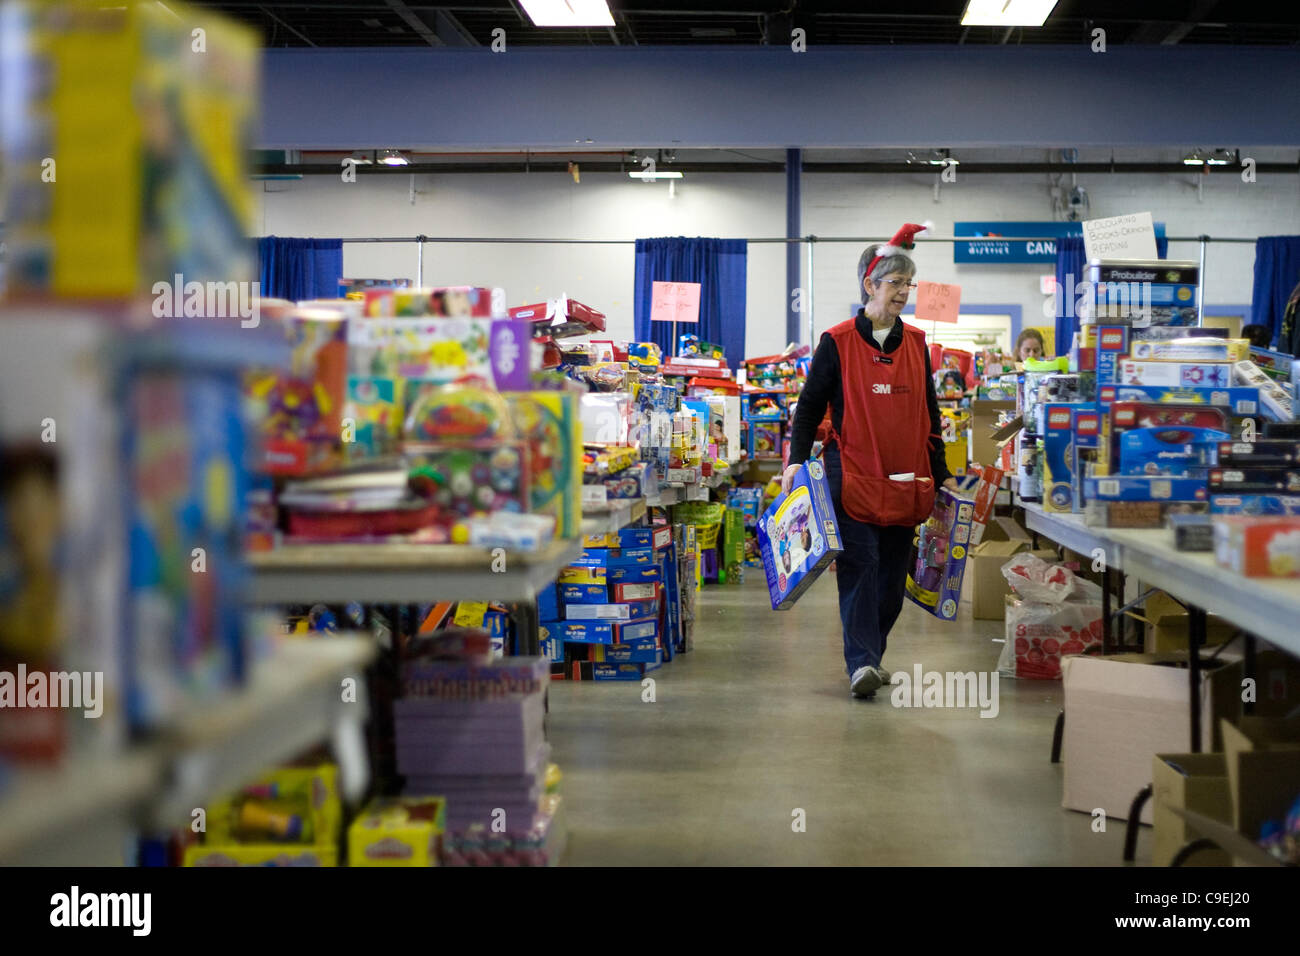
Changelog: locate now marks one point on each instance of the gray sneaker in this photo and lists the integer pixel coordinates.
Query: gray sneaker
(866, 681)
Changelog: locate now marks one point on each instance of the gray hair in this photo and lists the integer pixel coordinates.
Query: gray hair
(886, 266)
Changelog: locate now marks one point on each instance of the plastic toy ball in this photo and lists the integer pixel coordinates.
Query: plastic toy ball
(460, 534)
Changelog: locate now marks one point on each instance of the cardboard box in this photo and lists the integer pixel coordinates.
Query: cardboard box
(984, 584)
(984, 418)
(1197, 782)
(1122, 710)
(1263, 758)
(798, 536)
(1164, 622)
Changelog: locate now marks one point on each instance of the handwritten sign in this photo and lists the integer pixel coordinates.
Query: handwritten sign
(675, 302)
(1120, 237)
(938, 301)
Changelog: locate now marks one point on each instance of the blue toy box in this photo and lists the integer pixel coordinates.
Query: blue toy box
(583, 594)
(798, 536)
(939, 558)
(1237, 399)
(579, 632)
(1255, 504)
(1145, 488)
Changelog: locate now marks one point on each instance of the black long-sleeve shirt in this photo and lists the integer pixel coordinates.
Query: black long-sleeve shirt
(825, 386)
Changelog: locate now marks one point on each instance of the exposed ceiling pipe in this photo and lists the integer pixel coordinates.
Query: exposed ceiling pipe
(967, 168)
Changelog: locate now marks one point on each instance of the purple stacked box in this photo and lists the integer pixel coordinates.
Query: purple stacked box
(474, 733)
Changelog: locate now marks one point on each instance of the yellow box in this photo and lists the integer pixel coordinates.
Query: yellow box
(149, 115)
(262, 854)
(317, 790)
(398, 831)
(600, 540)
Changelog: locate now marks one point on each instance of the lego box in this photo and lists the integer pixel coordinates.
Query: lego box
(1236, 399)
(939, 559)
(1175, 374)
(798, 536)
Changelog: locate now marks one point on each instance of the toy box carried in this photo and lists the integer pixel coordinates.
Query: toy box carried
(798, 536)
(939, 555)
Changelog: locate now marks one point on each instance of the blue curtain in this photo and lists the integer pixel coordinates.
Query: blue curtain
(719, 266)
(1070, 270)
(1277, 273)
(297, 269)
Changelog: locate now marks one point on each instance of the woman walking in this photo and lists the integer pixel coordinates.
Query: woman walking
(884, 452)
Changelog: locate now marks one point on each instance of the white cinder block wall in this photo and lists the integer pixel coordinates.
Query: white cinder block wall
(748, 205)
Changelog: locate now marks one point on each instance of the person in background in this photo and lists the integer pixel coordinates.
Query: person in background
(874, 374)
(1029, 345)
(1259, 336)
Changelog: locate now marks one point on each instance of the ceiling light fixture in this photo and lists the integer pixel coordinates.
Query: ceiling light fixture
(645, 177)
(1006, 13)
(568, 13)
(391, 157)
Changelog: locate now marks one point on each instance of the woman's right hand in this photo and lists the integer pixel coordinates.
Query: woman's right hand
(787, 478)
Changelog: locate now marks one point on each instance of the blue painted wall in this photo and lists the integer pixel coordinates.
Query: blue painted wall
(978, 96)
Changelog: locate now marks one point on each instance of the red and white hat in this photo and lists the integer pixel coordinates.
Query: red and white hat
(903, 241)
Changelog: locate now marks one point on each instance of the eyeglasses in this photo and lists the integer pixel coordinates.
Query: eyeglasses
(898, 283)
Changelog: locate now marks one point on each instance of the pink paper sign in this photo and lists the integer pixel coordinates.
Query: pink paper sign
(675, 302)
(938, 301)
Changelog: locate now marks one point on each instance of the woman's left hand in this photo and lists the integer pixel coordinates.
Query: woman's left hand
(950, 484)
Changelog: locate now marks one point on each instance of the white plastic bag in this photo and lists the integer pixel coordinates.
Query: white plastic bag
(1039, 635)
(1034, 579)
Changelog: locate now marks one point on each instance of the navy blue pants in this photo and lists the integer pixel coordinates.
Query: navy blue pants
(871, 574)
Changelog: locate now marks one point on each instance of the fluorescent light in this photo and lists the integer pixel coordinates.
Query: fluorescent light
(1006, 13)
(391, 157)
(648, 176)
(568, 13)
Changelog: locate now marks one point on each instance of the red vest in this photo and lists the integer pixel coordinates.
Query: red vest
(886, 429)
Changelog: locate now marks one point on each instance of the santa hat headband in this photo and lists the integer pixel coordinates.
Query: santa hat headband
(903, 241)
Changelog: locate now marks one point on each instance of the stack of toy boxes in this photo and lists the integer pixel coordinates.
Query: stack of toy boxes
(688, 580)
(474, 734)
(764, 413)
(1260, 477)
(1158, 455)
(611, 612)
(1165, 394)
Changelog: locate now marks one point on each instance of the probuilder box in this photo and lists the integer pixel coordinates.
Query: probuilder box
(798, 536)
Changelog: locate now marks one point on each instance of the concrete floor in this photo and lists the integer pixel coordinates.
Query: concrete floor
(757, 721)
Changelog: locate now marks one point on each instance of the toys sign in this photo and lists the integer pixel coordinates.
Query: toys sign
(938, 301)
(675, 302)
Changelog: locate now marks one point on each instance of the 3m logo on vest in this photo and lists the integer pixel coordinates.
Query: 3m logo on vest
(881, 389)
(131, 910)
